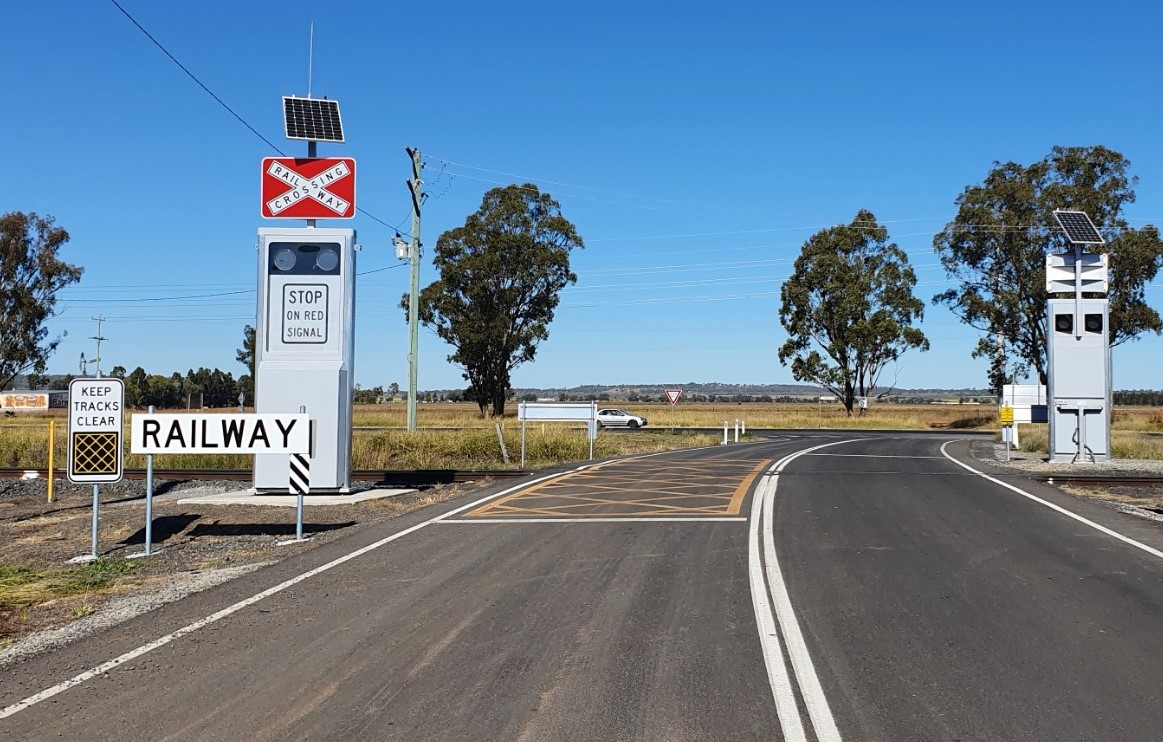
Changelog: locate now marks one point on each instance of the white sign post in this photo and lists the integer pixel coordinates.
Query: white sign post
(559, 412)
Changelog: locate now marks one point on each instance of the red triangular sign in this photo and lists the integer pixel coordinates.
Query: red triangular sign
(673, 395)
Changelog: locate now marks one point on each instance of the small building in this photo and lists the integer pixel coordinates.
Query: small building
(33, 401)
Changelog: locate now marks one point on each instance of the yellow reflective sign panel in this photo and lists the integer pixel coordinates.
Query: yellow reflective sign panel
(1006, 415)
(95, 453)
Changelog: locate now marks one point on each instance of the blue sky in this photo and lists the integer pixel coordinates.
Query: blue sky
(695, 148)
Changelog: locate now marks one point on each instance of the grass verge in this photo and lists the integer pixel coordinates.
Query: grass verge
(24, 589)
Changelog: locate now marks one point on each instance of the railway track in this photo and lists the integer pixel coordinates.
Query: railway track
(449, 476)
(1103, 480)
(409, 478)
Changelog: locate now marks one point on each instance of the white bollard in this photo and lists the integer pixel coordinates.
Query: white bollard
(724, 432)
(744, 427)
(736, 430)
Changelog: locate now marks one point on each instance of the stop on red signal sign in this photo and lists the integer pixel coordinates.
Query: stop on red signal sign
(308, 187)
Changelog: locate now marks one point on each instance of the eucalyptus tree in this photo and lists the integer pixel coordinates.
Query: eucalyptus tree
(500, 279)
(849, 309)
(995, 252)
(31, 276)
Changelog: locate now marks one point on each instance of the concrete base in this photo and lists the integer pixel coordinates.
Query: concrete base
(248, 497)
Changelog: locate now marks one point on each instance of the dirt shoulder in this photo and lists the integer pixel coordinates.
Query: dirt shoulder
(195, 546)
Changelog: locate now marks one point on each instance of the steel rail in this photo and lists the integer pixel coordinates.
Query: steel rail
(404, 477)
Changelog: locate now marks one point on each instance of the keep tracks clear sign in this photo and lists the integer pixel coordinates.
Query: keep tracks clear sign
(220, 433)
(96, 413)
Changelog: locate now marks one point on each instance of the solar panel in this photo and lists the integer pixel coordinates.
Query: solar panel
(312, 119)
(1078, 228)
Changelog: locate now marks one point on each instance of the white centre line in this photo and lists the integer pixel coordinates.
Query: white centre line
(229, 610)
(773, 606)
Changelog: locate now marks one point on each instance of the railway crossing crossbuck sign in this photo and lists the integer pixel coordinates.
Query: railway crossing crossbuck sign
(308, 188)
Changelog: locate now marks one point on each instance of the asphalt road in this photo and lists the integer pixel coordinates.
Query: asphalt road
(867, 589)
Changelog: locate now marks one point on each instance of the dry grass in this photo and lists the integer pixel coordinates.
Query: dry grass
(456, 436)
(24, 586)
(1125, 444)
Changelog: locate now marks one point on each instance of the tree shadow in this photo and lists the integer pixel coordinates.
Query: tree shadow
(263, 529)
(163, 528)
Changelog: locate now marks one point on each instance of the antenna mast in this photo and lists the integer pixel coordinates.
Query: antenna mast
(310, 57)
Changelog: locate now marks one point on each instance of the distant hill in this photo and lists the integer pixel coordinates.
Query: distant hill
(693, 391)
(717, 390)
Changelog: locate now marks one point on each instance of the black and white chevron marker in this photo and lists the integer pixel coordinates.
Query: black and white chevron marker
(300, 474)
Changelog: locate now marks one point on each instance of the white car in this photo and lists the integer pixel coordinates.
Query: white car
(615, 418)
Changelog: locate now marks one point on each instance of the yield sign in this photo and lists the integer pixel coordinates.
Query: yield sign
(308, 188)
(673, 395)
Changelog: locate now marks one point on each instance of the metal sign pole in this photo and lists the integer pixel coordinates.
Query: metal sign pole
(149, 500)
(299, 500)
(96, 499)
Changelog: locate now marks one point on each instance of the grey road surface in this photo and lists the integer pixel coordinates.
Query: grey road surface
(627, 602)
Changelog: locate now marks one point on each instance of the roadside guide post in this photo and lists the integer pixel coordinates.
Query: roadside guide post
(724, 432)
(300, 482)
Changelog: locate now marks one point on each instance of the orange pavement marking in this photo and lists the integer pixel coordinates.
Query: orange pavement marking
(559, 497)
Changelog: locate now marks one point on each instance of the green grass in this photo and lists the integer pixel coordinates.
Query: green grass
(22, 587)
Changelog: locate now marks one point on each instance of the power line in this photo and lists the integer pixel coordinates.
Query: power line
(194, 77)
(585, 188)
(222, 103)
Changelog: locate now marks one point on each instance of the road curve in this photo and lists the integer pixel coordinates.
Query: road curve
(863, 589)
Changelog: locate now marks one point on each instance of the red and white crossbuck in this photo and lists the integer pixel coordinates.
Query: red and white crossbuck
(308, 188)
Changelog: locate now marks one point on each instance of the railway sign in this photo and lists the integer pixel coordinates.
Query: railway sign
(672, 395)
(96, 420)
(308, 187)
(220, 433)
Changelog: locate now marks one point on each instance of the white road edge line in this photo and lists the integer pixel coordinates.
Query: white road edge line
(801, 660)
(660, 519)
(1085, 521)
(229, 610)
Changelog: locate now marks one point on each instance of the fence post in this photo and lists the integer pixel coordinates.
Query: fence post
(504, 451)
